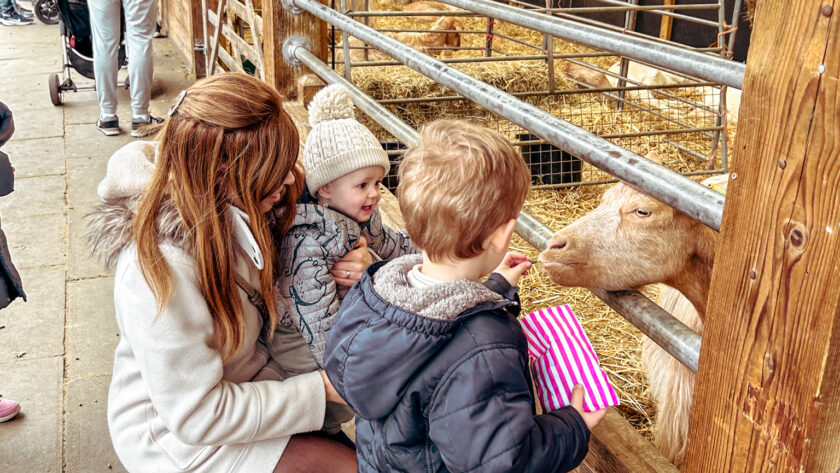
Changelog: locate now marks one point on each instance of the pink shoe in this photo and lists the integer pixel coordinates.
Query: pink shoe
(8, 409)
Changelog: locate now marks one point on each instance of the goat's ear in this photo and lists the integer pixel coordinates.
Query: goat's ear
(654, 156)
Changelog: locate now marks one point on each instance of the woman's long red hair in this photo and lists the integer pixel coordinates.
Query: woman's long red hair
(229, 141)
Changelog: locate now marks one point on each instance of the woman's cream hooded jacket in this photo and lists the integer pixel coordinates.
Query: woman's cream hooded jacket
(173, 404)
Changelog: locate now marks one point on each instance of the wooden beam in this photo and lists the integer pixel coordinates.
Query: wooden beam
(307, 86)
(241, 11)
(666, 23)
(239, 45)
(616, 447)
(278, 25)
(768, 386)
(197, 26)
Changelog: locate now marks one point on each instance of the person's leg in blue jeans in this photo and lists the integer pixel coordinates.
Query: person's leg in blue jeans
(105, 32)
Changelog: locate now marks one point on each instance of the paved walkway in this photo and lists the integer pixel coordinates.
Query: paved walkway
(56, 350)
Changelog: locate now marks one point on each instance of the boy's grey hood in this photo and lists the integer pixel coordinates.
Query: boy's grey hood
(409, 326)
(443, 301)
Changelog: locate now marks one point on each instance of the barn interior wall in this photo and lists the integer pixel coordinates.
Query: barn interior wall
(177, 19)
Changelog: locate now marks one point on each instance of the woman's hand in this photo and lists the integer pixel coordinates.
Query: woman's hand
(332, 394)
(349, 269)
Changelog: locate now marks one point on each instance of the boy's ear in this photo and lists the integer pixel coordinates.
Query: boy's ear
(500, 238)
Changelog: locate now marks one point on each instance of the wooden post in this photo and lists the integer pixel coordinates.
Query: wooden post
(666, 24)
(197, 31)
(768, 387)
(278, 25)
(307, 86)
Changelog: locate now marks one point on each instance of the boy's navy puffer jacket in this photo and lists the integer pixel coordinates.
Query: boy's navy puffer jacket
(439, 379)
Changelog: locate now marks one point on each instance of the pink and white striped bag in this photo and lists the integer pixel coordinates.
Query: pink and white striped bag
(561, 356)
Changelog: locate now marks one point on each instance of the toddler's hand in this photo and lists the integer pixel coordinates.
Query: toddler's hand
(590, 418)
(513, 266)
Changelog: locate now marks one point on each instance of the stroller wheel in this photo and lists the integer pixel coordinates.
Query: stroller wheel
(55, 90)
(46, 11)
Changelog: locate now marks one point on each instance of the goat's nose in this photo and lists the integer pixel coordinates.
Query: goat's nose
(557, 243)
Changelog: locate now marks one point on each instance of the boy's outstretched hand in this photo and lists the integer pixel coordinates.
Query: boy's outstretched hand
(514, 266)
(590, 418)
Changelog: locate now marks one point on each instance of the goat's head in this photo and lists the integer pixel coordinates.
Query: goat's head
(629, 240)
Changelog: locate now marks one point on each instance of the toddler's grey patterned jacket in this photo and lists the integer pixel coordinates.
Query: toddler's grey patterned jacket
(319, 237)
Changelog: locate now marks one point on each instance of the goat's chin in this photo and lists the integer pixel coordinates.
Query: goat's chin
(568, 274)
(584, 275)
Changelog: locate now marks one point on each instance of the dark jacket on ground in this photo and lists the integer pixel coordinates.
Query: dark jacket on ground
(439, 379)
(11, 286)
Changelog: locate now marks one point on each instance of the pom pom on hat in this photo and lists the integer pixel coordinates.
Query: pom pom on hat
(331, 103)
(337, 144)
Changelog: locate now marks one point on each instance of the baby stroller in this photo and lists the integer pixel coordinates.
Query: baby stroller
(77, 48)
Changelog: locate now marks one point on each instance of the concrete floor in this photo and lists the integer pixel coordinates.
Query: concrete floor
(56, 350)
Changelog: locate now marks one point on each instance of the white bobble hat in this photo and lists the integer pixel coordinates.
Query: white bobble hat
(337, 144)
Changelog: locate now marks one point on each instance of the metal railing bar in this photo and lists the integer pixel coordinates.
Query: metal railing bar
(705, 172)
(687, 196)
(383, 13)
(697, 64)
(396, 30)
(635, 34)
(689, 151)
(460, 60)
(638, 8)
(692, 19)
(486, 59)
(519, 41)
(663, 328)
(536, 93)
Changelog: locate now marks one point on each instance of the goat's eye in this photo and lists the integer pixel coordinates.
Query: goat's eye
(643, 213)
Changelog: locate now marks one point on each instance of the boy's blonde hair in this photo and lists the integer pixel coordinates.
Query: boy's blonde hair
(457, 184)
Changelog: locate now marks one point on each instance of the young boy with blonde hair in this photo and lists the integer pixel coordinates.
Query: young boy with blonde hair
(434, 362)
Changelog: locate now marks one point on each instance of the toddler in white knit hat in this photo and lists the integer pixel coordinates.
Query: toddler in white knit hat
(344, 165)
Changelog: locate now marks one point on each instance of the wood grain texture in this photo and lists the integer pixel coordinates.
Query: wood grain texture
(196, 55)
(767, 387)
(278, 25)
(177, 19)
(616, 447)
(667, 22)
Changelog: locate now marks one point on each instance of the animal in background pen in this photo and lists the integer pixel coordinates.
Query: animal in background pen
(429, 6)
(444, 36)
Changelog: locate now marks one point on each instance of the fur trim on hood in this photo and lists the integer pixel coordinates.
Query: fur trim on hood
(127, 177)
